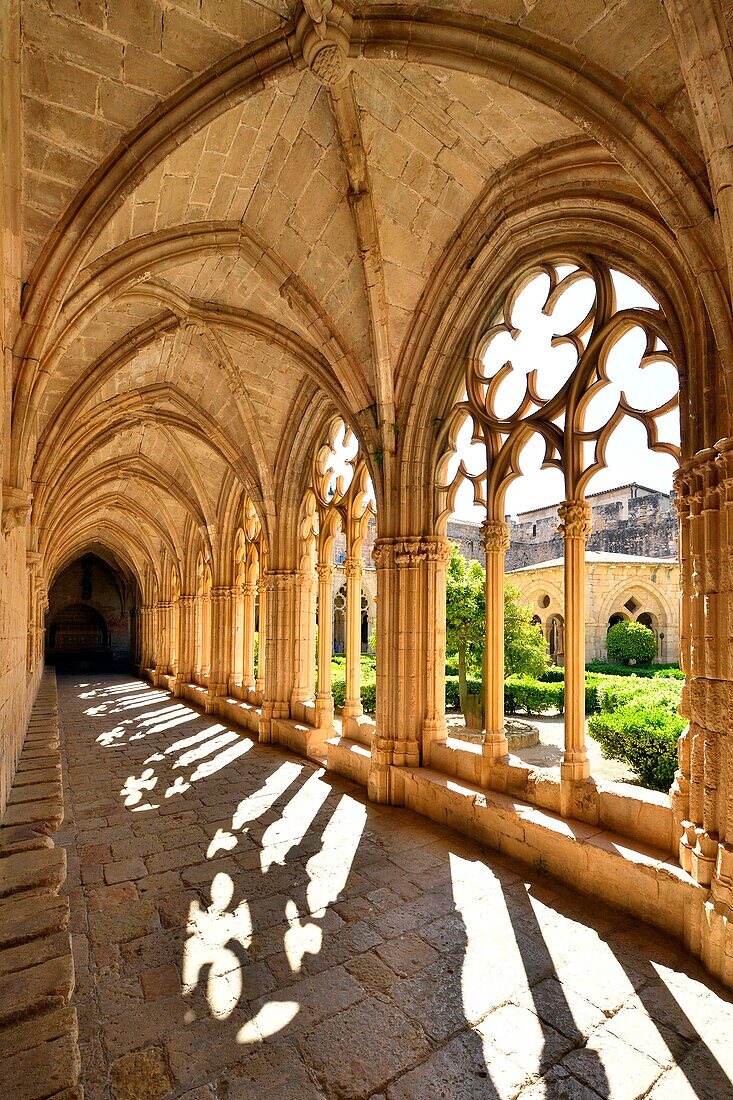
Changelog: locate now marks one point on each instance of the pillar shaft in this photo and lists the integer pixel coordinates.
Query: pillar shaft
(352, 703)
(261, 638)
(324, 696)
(495, 539)
(574, 528)
(249, 592)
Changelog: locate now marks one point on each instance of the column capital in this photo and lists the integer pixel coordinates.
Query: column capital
(495, 536)
(278, 580)
(221, 594)
(574, 519)
(249, 588)
(187, 601)
(353, 566)
(325, 570)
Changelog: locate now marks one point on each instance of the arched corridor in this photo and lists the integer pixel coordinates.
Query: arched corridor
(289, 291)
(230, 899)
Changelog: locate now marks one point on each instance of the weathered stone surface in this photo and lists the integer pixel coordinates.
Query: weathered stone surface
(128, 921)
(25, 955)
(43, 1028)
(142, 1075)
(50, 811)
(35, 793)
(23, 918)
(41, 1072)
(32, 870)
(42, 987)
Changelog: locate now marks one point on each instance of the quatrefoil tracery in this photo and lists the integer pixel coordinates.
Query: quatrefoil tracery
(573, 400)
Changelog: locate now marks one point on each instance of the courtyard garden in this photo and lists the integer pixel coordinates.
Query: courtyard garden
(632, 704)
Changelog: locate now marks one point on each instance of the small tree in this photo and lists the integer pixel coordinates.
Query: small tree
(465, 617)
(630, 643)
(525, 648)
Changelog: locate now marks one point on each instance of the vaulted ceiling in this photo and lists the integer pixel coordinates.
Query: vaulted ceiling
(223, 242)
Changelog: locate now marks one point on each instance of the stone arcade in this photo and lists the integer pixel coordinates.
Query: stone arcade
(255, 260)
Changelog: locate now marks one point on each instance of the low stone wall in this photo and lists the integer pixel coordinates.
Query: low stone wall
(38, 1027)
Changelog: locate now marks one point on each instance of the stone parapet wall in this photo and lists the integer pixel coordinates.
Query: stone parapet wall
(38, 1026)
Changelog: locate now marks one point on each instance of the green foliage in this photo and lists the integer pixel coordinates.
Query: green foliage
(604, 668)
(525, 648)
(257, 653)
(630, 643)
(621, 691)
(532, 696)
(552, 675)
(465, 609)
(368, 689)
(644, 737)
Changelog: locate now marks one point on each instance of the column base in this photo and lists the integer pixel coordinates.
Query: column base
(579, 798)
(704, 857)
(324, 712)
(352, 709)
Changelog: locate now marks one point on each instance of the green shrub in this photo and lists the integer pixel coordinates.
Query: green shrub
(630, 643)
(603, 668)
(533, 696)
(643, 737)
(552, 676)
(621, 691)
(368, 692)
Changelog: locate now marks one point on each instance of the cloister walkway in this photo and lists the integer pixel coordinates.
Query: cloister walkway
(246, 925)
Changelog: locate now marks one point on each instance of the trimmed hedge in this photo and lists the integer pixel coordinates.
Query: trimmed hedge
(631, 643)
(643, 737)
(368, 693)
(648, 671)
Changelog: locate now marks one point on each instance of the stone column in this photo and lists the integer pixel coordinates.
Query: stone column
(352, 703)
(575, 767)
(249, 592)
(261, 638)
(304, 682)
(434, 726)
(161, 641)
(280, 587)
(145, 636)
(236, 671)
(409, 649)
(495, 541)
(186, 642)
(324, 696)
(220, 648)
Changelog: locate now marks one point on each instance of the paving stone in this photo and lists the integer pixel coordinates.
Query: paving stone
(142, 1075)
(127, 921)
(125, 870)
(363, 1067)
(276, 1070)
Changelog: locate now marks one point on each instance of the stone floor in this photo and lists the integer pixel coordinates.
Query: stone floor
(248, 927)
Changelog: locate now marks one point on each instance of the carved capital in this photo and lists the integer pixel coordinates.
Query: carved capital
(324, 570)
(249, 589)
(16, 508)
(352, 567)
(574, 519)
(495, 536)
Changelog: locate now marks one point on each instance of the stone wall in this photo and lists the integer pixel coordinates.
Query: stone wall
(632, 589)
(632, 520)
(16, 692)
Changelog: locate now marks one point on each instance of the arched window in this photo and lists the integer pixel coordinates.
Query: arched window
(570, 375)
(338, 502)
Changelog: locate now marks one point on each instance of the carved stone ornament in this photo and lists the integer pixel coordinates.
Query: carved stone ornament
(409, 552)
(324, 31)
(16, 508)
(352, 567)
(574, 519)
(495, 536)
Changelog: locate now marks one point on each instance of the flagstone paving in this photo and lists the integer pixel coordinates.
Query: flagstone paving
(245, 925)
